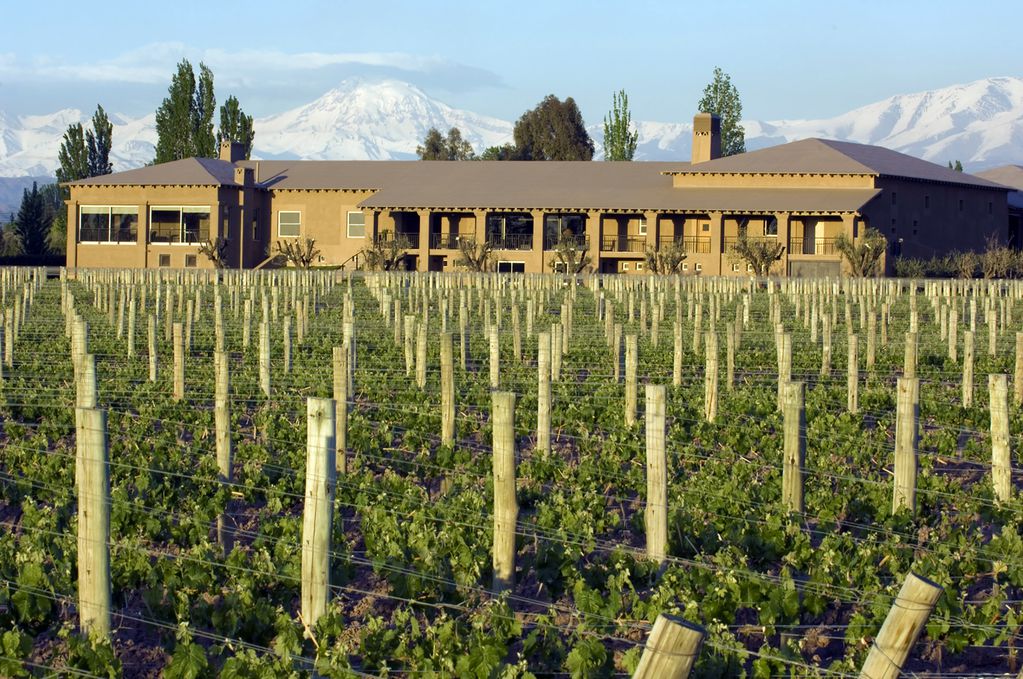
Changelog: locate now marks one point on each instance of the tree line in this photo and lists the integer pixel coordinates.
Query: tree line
(184, 128)
(554, 130)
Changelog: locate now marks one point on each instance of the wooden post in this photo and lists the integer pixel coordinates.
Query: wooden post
(909, 362)
(671, 649)
(495, 357)
(506, 507)
(543, 392)
(264, 357)
(794, 413)
(730, 335)
(906, 422)
(341, 394)
(286, 341)
(784, 365)
(179, 362)
(676, 359)
(1017, 379)
(901, 628)
(317, 515)
(968, 369)
(222, 422)
(86, 395)
(1001, 460)
(421, 356)
(631, 367)
(853, 376)
(93, 483)
(710, 377)
(656, 476)
(447, 389)
(151, 329)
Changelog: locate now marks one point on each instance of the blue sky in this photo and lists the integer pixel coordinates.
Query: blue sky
(789, 59)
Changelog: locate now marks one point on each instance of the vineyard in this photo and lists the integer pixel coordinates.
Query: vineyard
(297, 474)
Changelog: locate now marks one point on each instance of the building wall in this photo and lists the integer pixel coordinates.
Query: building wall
(324, 218)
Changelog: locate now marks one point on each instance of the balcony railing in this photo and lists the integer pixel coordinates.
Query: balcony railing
(622, 244)
(580, 242)
(512, 242)
(410, 239)
(730, 242)
(813, 246)
(691, 246)
(447, 241)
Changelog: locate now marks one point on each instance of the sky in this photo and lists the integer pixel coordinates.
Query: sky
(789, 59)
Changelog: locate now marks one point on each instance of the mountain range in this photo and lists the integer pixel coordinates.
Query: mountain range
(978, 123)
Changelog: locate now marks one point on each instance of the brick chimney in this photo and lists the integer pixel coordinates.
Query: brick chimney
(232, 151)
(706, 137)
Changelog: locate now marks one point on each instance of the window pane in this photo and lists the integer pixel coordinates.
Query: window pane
(196, 225)
(124, 225)
(94, 224)
(289, 223)
(356, 225)
(165, 225)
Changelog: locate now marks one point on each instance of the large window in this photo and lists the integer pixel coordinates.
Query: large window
(289, 224)
(184, 224)
(356, 225)
(108, 224)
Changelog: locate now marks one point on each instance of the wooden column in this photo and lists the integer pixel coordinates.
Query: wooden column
(1001, 459)
(318, 512)
(671, 649)
(93, 483)
(506, 507)
(907, 415)
(794, 414)
(656, 476)
(901, 628)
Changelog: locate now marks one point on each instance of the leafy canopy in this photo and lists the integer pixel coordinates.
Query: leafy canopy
(554, 130)
(436, 147)
(722, 99)
(864, 254)
(619, 139)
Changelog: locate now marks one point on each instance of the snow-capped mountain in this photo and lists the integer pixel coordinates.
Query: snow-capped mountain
(979, 123)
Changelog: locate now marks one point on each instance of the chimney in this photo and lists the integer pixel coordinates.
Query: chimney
(706, 137)
(232, 151)
(243, 176)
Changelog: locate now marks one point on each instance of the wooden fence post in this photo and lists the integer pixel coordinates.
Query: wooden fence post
(151, 331)
(495, 357)
(543, 392)
(506, 507)
(1017, 380)
(264, 357)
(710, 377)
(853, 376)
(656, 476)
(421, 355)
(968, 368)
(631, 367)
(93, 485)
(671, 649)
(907, 414)
(318, 511)
(901, 628)
(909, 361)
(794, 413)
(447, 389)
(341, 394)
(1001, 459)
(179, 362)
(222, 422)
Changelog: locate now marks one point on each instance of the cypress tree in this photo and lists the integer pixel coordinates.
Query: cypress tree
(722, 99)
(32, 222)
(176, 116)
(98, 141)
(619, 140)
(235, 125)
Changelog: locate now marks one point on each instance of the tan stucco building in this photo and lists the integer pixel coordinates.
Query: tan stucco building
(803, 194)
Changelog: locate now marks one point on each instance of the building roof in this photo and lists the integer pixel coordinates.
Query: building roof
(187, 172)
(1008, 175)
(826, 156)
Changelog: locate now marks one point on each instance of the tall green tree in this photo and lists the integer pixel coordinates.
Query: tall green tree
(235, 125)
(73, 155)
(554, 130)
(619, 140)
(98, 141)
(176, 117)
(958, 167)
(33, 222)
(722, 99)
(435, 146)
(203, 138)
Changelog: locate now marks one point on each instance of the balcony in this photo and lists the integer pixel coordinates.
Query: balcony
(522, 241)
(730, 242)
(409, 239)
(813, 246)
(691, 246)
(622, 244)
(447, 241)
(579, 242)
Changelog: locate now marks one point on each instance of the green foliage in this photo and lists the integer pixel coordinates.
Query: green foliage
(98, 141)
(184, 121)
(73, 155)
(958, 167)
(759, 253)
(863, 256)
(33, 222)
(14, 647)
(721, 98)
(505, 152)
(619, 138)
(453, 147)
(666, 260)
(554, 130)
(235, 125)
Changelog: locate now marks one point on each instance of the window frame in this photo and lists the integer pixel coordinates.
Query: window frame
(771, 225)
(159, 260)
(182, 210)
(126, 210)
(281, 213)
(641, 226)
(348, 224)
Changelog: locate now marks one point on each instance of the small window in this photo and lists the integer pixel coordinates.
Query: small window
(749, 268)
(164, 260)
(893, 198)
(735, 267)
(289, 224)
(625, 266)
(639, 266)
(699, 267)
(927, 202)
(705, 226)
(642, 226)
(560, 267)
(771, 226)
(511, 267)
(356, 225)
(685, 267)
(914, 232)
(191, 261)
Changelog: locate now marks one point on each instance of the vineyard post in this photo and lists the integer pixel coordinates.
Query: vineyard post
(506, 508)
(264, 357)
(131, 325)
(151, 331)
(656, 476)
(86, 392)
(93, 484)
(730, 333)
(901, 628)
(906, 423)
(247, 324)
(543, 392)
(410, 355)
(222, 422)
(421, 356)
(463, 332)
(784, 365)
(557, 339)
(826, 345)
(286, 341)
(676, 359)
(631, 366)
(1001, 460)
(317, 515)
(447, 389)
(909, 362)
(340, 369)
(871, 339)
(968, 368)
(710, 377)
(853, 376)
(619, 366)
(671, 649)
(794, 413)
(495, 357)
(516, 334)
(179, 362)
(218, 322)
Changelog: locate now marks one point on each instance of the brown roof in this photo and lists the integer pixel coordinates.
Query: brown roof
(826, 156)
(1008, 175)
(188, 172)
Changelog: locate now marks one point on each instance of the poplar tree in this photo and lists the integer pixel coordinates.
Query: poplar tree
(619, 140)
(73, 155)
(176, 117)
(235, 125)
(204, 140)
(98, 141)
(722, 99)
